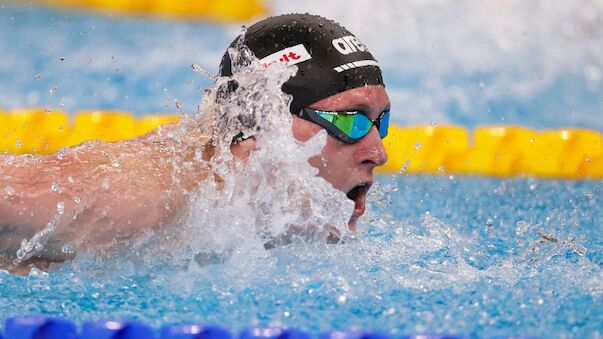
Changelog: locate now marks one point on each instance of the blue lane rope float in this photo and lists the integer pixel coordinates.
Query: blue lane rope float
(503, 151)
(37, 327)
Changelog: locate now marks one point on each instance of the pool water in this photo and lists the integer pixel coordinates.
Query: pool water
(535, 64)
(473, 256)
(435, 254)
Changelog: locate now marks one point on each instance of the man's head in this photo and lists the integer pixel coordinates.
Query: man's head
(338, 87)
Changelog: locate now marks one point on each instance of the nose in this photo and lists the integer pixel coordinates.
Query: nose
(371, 150)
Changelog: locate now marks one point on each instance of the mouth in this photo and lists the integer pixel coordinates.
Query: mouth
(358, 196)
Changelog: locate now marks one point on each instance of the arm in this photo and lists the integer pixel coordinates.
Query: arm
(95, 193)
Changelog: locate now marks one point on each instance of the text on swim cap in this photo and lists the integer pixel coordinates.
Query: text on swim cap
(348, 44)
(290, 56)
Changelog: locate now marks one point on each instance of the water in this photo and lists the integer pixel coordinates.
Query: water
(538, 64)
(474, 256)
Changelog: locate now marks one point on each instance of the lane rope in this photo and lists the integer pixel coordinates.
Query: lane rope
(503, 151)
(208, 10)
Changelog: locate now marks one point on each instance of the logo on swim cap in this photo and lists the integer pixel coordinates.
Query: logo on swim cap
(329, 58)
(290, 56)
(348, 44)
(355, 64)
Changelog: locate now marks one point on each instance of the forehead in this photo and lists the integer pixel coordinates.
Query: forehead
(372, 98)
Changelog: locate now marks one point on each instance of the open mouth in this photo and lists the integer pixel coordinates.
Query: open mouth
(358, 196)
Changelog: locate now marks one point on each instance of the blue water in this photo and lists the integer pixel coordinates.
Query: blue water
(459, 62)
(460, 255)
(473, 256)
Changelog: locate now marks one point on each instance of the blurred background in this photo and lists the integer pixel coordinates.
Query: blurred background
(532, 63)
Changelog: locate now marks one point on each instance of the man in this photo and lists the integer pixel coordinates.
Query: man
(95, 193)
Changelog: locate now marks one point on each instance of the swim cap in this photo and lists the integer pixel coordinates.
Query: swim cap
(329, 58)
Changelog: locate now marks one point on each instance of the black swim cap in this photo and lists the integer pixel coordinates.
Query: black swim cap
(329, 58)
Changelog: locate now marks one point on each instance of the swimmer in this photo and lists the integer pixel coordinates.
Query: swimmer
(61, 198)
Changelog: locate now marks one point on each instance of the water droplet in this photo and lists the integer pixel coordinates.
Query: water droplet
(481, 83)
(9, 190)
(196, 68)
(55, 187)
(521, 227)
(61, 154)
(68, 248)
(60, 207)
(53, 89)
(77, 200)
(489, 225)
(61, 102)
(341, 299)
(106, 184)
(418, 145)
(178, 105)
(18, 143)
(38, 76)
(62, 58)
(405, 166)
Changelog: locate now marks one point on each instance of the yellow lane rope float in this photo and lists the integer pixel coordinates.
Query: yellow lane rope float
(491, 150)
(212, 10)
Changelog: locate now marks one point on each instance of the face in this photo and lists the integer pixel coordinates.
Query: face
(349, 167)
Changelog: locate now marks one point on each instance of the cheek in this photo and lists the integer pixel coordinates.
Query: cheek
(303, 130)
(331, 155)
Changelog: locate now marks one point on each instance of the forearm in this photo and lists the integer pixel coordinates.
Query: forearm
(96, 193)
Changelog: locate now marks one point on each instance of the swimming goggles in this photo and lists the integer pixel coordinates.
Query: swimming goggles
(347, 126)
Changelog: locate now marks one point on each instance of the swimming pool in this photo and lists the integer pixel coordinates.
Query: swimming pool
(438, 254)
(461, 255)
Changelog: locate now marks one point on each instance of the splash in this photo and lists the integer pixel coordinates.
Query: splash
(273, 198)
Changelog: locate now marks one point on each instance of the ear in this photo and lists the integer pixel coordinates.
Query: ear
(242, 149)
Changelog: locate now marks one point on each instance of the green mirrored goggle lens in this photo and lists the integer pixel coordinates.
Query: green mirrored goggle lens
(355, 125)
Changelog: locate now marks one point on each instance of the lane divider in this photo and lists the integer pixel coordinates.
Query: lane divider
(211, 10)
(58, 328)
(502, 151)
